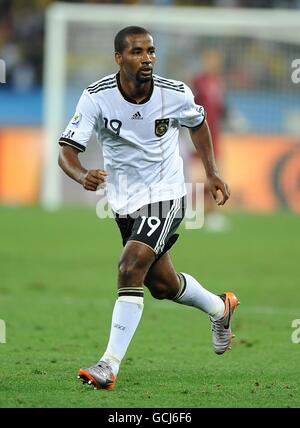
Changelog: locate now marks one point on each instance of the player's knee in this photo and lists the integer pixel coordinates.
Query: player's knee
(127, 271)
(131, 272)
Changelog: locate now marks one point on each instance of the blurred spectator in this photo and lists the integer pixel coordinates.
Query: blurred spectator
(209, 90)
(22, 31)
(21, 41)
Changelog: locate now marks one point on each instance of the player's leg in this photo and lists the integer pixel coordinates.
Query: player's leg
(144, 234)
(164, 283)
(135, 261)
(133, 266)
(162, 280)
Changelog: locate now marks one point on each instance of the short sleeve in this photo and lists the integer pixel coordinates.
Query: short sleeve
(192, 115)
(81, 126)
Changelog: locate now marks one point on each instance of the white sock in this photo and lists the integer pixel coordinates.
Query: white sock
(192, 293)
(126, 316)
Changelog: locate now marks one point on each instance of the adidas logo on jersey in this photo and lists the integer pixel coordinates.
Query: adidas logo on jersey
(137, 115)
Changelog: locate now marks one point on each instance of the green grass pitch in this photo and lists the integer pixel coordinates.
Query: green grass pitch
(57, 291)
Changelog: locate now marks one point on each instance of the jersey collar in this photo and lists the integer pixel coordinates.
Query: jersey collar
(130, 100)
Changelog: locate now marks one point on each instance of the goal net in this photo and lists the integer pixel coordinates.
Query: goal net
(257, 48)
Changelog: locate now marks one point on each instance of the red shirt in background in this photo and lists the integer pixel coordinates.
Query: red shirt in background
(209, 91)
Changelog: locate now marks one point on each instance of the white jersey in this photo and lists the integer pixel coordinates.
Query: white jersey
(139, 141)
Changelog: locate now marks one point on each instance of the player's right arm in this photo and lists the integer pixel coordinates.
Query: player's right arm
(71, 165)
(75, 139)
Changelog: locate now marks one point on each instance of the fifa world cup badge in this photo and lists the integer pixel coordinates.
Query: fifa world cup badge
(161, 127)
(76, 119)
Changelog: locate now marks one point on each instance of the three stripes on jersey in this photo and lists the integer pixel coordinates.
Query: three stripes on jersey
(111, 83)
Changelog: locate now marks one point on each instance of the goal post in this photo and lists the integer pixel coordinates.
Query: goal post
(79, 50)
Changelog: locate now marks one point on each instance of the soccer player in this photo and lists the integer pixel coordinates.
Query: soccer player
(137, 115)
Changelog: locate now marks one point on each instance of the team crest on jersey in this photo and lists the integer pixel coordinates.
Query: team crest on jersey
(161, 127)
(76, 119)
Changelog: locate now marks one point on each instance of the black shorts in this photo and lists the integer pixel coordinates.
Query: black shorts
(153, 224)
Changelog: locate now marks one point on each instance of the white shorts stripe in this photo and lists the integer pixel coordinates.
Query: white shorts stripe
(177, 208)
(173, 207)
(166, 228)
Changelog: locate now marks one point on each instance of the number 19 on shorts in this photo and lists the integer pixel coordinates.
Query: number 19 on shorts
(152, 222)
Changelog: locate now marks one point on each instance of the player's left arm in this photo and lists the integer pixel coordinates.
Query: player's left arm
(202, 141)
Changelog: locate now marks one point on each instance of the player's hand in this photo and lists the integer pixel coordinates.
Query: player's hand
(216, 186)
(93, 178)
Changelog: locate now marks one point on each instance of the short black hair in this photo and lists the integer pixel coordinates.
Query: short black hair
(120, 39)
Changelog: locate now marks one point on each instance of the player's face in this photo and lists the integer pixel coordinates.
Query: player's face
(138, 58)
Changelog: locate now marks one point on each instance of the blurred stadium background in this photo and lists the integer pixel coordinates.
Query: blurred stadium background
(258, 125)
(58, 269)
